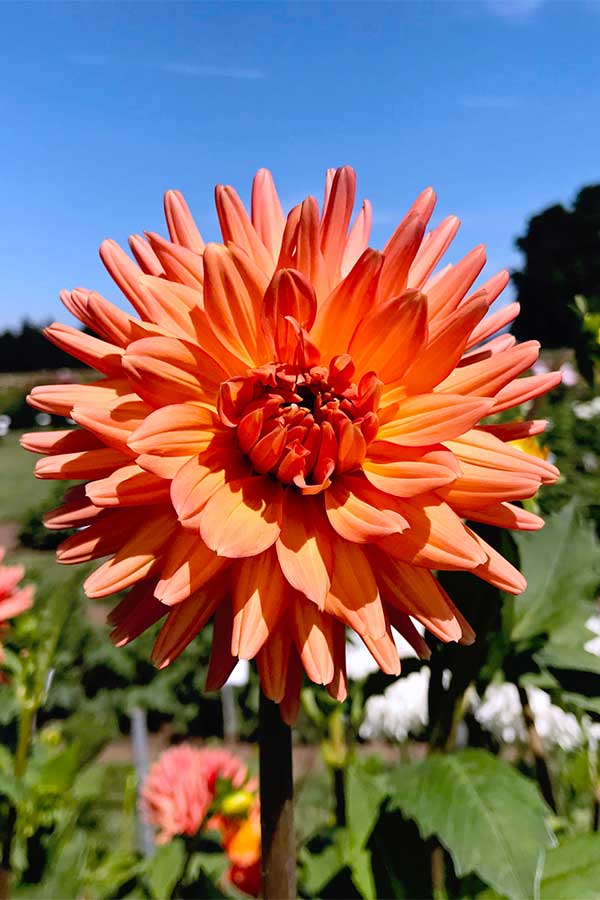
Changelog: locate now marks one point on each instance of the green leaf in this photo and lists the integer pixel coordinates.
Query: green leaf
(320, 868)
(562, 567)
(365, 791)
(489, 817)
(166, 868)
(573, 870)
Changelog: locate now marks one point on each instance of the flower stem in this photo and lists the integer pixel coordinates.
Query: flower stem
(276, 804)
(536, 746)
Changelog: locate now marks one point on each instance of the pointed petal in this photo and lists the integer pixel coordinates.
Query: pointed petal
(303, 547)
(267, 215)
(182, 227)
(408, 471)
(445, 295)
(273, 661)
(312, 631)
(96, 354)
(490, 375)
(243, 517)
(187, 565)
(237, 227)
(128, 486)
(180, 429)
(260, 597)
(432, 418)
(436, 539)
(354, 598)
(431, 251)
(184, 622)
(360, 512)
(336, 219)
(391, 337)
(347, 305)
(222, 662)
(167, 370)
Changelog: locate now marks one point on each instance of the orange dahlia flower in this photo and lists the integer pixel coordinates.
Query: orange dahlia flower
(290, 435)
(13, 600)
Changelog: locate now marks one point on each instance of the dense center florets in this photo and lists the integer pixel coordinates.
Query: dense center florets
(302, 424)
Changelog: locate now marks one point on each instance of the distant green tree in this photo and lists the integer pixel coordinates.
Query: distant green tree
(562, 260)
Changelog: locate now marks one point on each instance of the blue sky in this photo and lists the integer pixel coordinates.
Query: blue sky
(104, 106)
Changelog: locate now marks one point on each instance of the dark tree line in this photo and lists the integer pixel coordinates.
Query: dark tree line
(28, 350)
(562, 260)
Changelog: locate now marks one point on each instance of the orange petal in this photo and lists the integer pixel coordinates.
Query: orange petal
(128, 486)
(437, 538)
(399, 254)
(59, 399)
(237, 227)
(448, 290)
(135, 559)
(180, 222)
(273, 661)
(389, 339)
(180, 264)
(203, 475)
(523, 389)
(516, 431)
(481, 448)
(96, 354)
(167, 370)
(138, 611)
(309, 258)
(491, 324)
(64, 441)
(408, 471)
(232, 301)
(169, 312)
(312, 631)
(338, 686)
(384, 652)
(104, 536)
(336, 219)
(184, 622)
(504, 515)
(443, 351)
(354, 597)
(360, 512)
(267, 215)
(358, 239)
(303, 547)
(260, 597)
(180, 429)
(222, 662)
(415, 592)
(84, 465)
(430, 252)
(243, 517)
(490, 375)
(146, 258)
(75, 512)
(113, 424)
(290, 703)
(497, 570)
(187, 565)
(432, 418)
(288, 294)
(125, 273)
(347, 305)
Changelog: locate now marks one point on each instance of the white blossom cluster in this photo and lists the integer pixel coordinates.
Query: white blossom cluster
(401, 711)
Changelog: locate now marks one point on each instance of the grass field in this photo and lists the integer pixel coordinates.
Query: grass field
(19, 488)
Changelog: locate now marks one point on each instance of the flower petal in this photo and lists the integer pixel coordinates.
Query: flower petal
(243, 517)
(360, 512)
(260, 597)
(432, 418)
(303, 547)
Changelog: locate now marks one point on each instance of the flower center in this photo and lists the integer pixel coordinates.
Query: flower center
(303, 424)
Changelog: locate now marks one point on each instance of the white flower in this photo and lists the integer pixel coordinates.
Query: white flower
(593, 645)
(401, 709)
(569, 373)
(501, 714)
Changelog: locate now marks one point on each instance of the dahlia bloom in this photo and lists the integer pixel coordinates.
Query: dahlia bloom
(290, 434)
(13, 600)
(175, 795)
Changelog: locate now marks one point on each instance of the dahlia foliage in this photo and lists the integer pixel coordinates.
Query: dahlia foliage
(188, 790)
(290, 434)
(13, 600)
